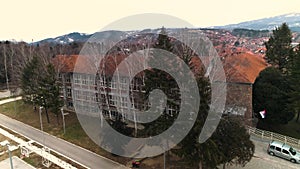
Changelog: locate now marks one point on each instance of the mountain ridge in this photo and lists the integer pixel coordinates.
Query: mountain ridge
(269, 23)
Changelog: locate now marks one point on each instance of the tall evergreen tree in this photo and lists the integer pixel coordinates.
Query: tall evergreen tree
(158, 79)
(29, 81)
(194, 154)
(278, 91)
(233, 142)
(279, 49)
(40, 87)
(271, 93)
(48, 94)
(230, 143)
(294, 81)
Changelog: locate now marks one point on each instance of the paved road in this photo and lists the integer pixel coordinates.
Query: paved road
(76, 153)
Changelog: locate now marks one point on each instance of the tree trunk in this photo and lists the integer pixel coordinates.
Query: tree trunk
(57, 119)
(5, 67)
(200, 164)
(298, 114)
(47, 115)
(224, 165)
(167, 154)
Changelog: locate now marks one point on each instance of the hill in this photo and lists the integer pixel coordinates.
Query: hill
(292, 19)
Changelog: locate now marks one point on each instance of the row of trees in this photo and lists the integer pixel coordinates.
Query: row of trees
(240, 32)
(15, 55)
(276, 90)
(29, 67)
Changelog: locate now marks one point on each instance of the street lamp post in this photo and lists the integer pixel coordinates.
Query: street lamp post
(10, 158)
(162, 146)
(164, 160)
(41, 121)
(63, 118)
(6, 143)
(45, 161)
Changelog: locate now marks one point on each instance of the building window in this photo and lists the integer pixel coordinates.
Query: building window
(92, 80)
(84, 80)
(101, 82)
(171, 110)
(123, 80)
(124, 102)
(69, 92)
(123, 83)
(77, 94)
(136, 84)
(112, 100)
(113, 84)
(68, 78)
(70, 104)
(77, 79)
(102, 98)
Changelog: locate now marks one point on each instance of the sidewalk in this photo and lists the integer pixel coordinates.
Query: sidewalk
(4, 94)
(10, 100)
(17, 164)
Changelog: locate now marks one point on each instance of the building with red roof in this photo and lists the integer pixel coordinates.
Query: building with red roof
(241, 71)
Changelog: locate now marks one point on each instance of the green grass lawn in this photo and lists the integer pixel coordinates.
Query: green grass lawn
(74, 133)
(291, 129)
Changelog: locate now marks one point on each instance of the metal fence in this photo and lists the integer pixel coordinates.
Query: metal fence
(267, 135)
(28, 147)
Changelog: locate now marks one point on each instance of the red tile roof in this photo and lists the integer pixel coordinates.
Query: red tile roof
(88, 65)
(243, 68)
(65, 63)
(240, 68)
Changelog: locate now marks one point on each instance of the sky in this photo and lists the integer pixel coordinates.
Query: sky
(36, 20)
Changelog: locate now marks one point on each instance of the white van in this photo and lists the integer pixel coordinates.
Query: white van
(284, 151)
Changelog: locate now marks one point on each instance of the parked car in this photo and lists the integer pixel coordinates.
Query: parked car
(284, 151)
